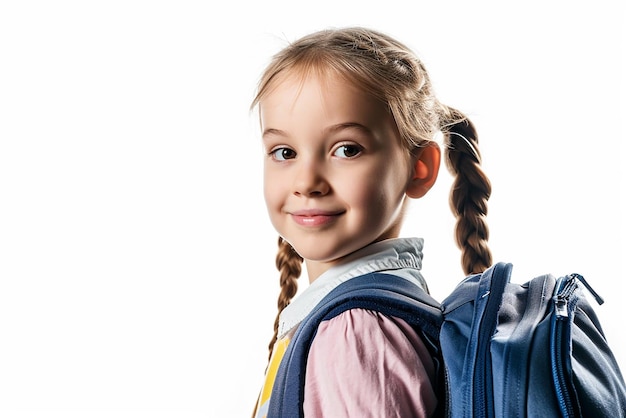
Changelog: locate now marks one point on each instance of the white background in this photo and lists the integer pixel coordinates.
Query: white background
(136, 258)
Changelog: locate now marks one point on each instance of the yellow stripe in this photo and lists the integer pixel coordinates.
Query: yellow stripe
(277, 355)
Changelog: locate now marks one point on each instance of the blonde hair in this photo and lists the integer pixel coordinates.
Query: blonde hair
(390, 71)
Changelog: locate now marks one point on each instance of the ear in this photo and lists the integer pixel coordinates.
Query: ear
(425, 170)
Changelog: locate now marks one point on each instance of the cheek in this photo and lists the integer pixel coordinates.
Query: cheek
(267, 189)
(381, 192)
(268, 196)
(363, 192)
(271, 190)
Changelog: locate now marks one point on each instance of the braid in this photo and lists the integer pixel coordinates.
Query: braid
(470, 191)
(289, 263)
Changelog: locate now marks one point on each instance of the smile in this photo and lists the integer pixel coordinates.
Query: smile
(314, 218)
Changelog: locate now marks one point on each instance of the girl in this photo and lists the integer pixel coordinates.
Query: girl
(348, 120)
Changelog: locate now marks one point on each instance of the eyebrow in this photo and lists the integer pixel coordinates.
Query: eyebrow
(331, 129)
(347, 125)
(272, 131)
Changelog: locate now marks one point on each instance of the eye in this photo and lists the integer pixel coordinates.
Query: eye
(282, 154)
(348, 151)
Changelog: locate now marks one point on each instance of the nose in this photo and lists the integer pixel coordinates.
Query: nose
(310, 179)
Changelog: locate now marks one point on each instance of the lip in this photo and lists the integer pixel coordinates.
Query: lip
(314, 217)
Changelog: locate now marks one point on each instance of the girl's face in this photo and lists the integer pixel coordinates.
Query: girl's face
(335, 175)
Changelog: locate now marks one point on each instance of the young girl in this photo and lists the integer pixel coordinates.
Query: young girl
(348, 120)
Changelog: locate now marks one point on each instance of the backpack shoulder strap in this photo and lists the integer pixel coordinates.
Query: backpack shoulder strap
(385, 293)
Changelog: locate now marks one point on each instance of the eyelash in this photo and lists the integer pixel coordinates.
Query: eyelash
(274, 153)
(278, 153)
(357, 148)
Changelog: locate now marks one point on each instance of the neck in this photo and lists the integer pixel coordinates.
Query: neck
(315, 269)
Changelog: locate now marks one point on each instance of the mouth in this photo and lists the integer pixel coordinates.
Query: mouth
(314, 217)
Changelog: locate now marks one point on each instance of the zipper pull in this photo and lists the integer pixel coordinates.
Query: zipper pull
(589, 288)
(567, 285)
(560, 303)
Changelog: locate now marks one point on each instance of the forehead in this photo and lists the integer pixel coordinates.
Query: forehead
(315, 94)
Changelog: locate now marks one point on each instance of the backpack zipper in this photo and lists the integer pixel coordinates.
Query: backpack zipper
(483, 381)
(564, 304)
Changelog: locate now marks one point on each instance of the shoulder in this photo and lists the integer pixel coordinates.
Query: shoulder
(384, 354)
(368, 332)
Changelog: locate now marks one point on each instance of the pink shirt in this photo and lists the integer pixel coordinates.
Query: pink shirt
(364, 364)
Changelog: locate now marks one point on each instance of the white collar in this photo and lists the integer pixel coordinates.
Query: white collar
(402, 255)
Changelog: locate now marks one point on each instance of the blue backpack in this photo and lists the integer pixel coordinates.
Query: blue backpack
(502, 349)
